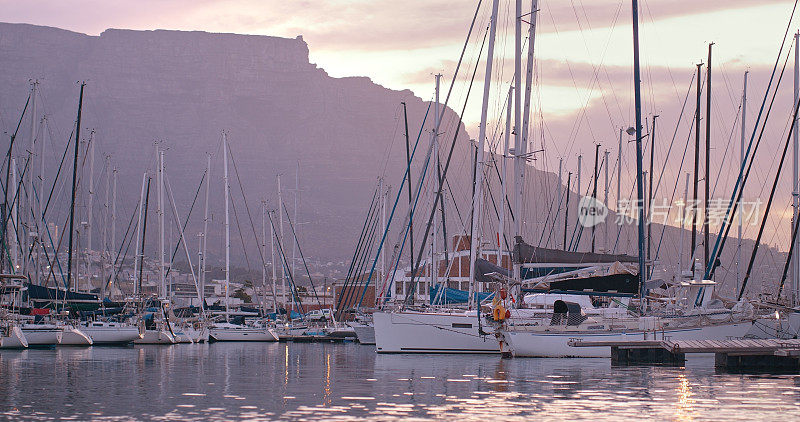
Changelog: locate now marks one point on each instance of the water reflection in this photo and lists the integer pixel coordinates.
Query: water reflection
(230, 381)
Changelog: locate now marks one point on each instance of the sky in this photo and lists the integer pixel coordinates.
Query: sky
(582, 93)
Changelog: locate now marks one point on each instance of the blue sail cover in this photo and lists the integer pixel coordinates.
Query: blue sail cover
(451, 296)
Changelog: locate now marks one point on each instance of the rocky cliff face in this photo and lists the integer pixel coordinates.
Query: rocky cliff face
(183, 88)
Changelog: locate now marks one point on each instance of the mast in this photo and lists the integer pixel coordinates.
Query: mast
(410, 199)
(683, 220)
(227, 223)
(296, 194)
(161, 243)
(89, 214)
(605, 201)
(74, 186)
(650, 186)
(519, 142)
(205, 232)
(741, 164)
(114, 213)
(619, 181)
(136, 264)
(693, 246)
(144, 233)
(707, 184)
(15, 247)
(106, 249)
(566, 210)
(502, 223)
(477, 199)
(434, 279)
(594, 189)
(528, 76)
(795, 181)
(30, 195)
(639, 192)
(280, 242)
(274, 268)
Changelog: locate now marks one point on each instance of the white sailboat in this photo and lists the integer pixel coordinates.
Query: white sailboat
(225, 331)
(42, 334)
(72, 336)
(12, 337)
(110, 333)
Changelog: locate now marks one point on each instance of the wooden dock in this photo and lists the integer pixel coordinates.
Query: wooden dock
(749, 355)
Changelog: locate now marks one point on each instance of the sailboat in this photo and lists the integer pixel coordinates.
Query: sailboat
(226, 331)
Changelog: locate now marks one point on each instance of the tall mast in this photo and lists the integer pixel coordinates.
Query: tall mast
(227, 223)
(566, 209)
(741, 165)
(650, 185)
(106, 251)
(296, 194)
(161, 243)
(526, 111)
(434, 279)
(707, 184)
(15, 246)
(619, 180)
(410, 199)
(280, 242)
(205, 233)
(693, 246)
(274, 267)
(477, 199)
(594, 188)
(605, 201)
(31, 198)
(89, 214)
(137, 262)
(502, 223)
(519, 142)
(74, 186)
(795, 181)
(683, 220)
(639, 191)
(144, 233)
(40, 224)
(114, 214)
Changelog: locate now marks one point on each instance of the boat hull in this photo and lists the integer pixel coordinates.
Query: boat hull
(155, 337)
(241, 334)
(555, 344)
(364, 333)
(72, 336)
(13, 338)
(111, 335)
(42, 335)
(420, 332)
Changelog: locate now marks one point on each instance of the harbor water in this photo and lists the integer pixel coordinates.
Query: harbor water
(268, 381)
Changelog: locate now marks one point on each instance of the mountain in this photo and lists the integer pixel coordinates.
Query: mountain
(281, 113)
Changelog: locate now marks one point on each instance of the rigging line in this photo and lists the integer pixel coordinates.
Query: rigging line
(769, 205)
(720, 242)
(241, 236)
(246, 207)
(186, 222)
(295, 294)
(444, 174)
(406, 223)
(677, 180)
(674, 134)
(302, 257)
(788, 259)
(357, 252)
(357, 280)
(118, 268)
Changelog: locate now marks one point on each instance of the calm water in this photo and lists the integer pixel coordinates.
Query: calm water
(241, 381)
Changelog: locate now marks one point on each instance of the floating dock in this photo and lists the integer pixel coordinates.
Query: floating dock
(734, 355)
